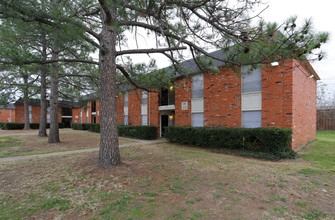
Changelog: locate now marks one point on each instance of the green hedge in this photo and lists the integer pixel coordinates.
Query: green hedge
(270, 143)
(142, 132)
(80, 126)
(94, 127)
(18, 126)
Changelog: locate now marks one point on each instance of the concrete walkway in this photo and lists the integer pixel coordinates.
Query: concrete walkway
(137, 142)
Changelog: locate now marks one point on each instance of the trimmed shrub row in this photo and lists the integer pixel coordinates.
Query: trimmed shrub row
(86, 126)
(268, 143)
(18, 126)
(142, 132)
(80, 126)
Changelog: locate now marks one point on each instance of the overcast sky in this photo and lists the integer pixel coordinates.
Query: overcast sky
(323, 17)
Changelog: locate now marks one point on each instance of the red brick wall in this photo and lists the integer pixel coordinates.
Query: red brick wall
(222, 99)
(119, 107)
(36, 114)
(19, 114)
(277, 96)
(134, 107)
(97, 111)
(89, 110)
(76, 115)
(304, 106)
(5, 114)
(85, 110)
(183, 93)
(59, 115)
(289, 100)
(153, 109)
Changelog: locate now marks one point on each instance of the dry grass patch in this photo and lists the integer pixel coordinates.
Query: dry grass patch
(165, 181)
(28, 143)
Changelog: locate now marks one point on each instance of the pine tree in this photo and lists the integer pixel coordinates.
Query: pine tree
(175, 26)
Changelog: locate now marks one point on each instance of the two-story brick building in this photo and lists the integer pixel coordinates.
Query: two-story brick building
(281, 95)
(64, 112)
(7, 113)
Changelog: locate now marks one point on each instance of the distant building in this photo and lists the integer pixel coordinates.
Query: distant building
(7, 113)
(15, 112)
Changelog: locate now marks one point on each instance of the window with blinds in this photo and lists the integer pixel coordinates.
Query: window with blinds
(251, 97)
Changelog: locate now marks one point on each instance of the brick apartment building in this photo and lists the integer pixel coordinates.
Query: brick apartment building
(15, 112)
(7, 113)
(271, 96)
(283, 95)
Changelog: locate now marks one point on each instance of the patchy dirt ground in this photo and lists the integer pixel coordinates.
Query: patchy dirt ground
(164, 181)
(27, 142)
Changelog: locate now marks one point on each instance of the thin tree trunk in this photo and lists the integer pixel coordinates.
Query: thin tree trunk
(109, 154)
(54, 127)
(26, 104)
(42, 132)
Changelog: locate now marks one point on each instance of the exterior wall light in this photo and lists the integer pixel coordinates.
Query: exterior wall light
(170, 117)
(171, 88)
(276, 63)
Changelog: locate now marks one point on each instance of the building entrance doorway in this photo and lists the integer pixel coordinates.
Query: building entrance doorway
(164, 123)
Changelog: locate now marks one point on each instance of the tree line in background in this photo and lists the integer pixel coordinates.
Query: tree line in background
(325, 108)
(46, 47)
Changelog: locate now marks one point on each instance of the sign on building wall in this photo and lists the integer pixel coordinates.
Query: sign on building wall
(184, 106)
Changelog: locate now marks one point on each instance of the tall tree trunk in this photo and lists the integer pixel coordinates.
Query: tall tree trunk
(42, 132)
(54, 127)
(26, 104)
(109, 154)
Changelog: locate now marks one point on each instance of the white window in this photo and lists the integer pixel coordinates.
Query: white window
(125, 119)
(30, 114)
(198, 86)
(197, 119)
(144, 120)
(144, 107)
(251, 97)
(252, 101)
(252, 119)
(251, 79)
(197, 105)
(48, 115)
(125, 99)
(81, 115)
(144, 99)
(125, 103)
(197, 101)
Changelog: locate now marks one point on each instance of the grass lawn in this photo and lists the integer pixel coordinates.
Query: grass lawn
(168, 181)
(19, 144)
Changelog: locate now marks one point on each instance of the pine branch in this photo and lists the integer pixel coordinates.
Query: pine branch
(78, 75)
(50, 61)
(152, 50)
(125, 73)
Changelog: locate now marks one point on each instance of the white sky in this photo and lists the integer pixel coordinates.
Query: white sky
(323, 17)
